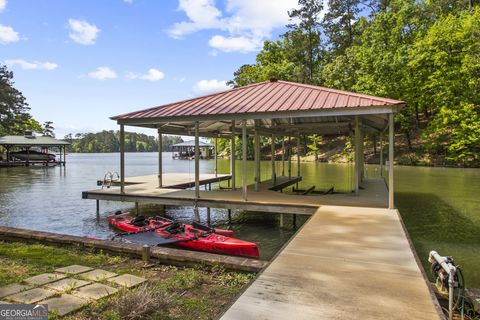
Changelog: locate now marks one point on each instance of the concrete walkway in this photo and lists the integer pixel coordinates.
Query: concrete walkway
(345, 263)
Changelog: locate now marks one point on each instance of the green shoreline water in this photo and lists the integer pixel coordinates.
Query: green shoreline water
(440, 206)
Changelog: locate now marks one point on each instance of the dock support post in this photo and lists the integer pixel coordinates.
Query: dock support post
(197, 162)
(282, 222)
(146, 253)
(391, 129)
(257, 158)
(232, 155)
(274, 175)
(97, 202)
(362, 154)
(216, 156)
(229, 216)
(298, 158)
(357, 155)
(196, 212)
(160, 160)
(208, 216)
(122, 158)
(244, 160)
(283, 156)
(294, 220)
(289, 154)
(64, 155)
(381, 154)
(137, 209)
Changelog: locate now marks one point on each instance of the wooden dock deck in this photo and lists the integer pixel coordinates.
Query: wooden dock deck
(145, 189)
(345, 263)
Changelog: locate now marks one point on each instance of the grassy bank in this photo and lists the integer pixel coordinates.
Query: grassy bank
(170, 293)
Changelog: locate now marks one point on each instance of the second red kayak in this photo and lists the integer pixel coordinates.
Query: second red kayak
(194, 237)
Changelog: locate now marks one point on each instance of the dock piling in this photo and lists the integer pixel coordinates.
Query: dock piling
(146, 253)
(282, 222)
(196, 213)
(137, 209)
(208, 216)
(229, 216)
(97, 202)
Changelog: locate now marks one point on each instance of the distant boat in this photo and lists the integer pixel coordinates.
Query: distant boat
(33, 155)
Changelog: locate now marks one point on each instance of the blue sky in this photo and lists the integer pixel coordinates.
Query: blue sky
(79, 62)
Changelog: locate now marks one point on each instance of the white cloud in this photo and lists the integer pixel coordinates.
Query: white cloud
(83, 32)
(210, 86)
(202, 14)
(102, 73)
(247, 23)
(8, 35)
(35, 65)
(240, 44)
(3, 5)
(152, 75)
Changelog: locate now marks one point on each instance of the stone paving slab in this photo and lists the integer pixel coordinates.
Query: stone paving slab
(66, 284)
(98, 275)
(73, 269)
(64, 304)
(94, 291)
(12, 289)
(32, 296)
(127, 280)
(44, 278)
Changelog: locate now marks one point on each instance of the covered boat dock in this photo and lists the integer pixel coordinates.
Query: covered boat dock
(186, 150)
(280, 110)
(28, 155)
(353, 255)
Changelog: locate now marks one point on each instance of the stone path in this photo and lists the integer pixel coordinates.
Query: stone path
(67, 289)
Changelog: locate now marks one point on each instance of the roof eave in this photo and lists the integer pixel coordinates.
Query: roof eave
(347, 111)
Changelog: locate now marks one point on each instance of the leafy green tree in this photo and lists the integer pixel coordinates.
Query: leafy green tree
(314, 145)
(48, 129)
(271, 63)
(339, 24)
(14, 116)
(109, 141)
(445, 66)
(303, 42)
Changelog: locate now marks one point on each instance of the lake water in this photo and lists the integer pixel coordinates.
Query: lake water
(440, 206)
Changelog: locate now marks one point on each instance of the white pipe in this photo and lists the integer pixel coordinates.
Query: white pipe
(451, 270)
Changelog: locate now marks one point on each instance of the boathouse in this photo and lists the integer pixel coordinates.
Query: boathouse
(186, 150)
(280, 110)
(31, 149)
(352, 258)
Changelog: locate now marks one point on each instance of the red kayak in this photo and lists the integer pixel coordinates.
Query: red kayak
(193, 237)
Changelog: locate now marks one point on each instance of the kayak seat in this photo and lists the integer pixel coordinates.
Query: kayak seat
(139, 221)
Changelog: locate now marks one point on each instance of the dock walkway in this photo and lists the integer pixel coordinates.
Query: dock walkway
(345, 263)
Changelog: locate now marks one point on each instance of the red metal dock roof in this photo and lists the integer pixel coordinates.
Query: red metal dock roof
(264, 97)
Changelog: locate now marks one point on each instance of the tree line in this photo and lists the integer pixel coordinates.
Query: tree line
(426, 53)
(109, 141)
